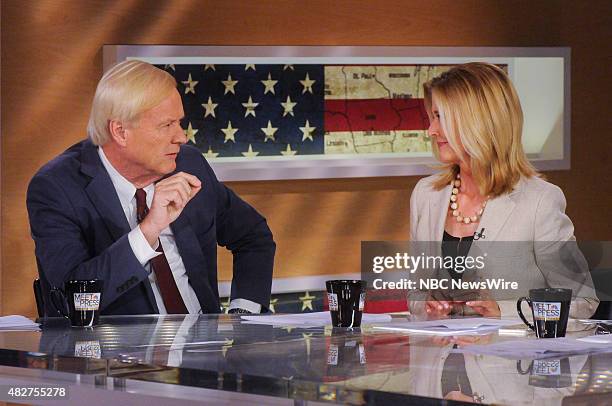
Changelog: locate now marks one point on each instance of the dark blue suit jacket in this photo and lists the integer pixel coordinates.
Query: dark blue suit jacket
(80, 232)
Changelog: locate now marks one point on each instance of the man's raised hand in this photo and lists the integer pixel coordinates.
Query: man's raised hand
(171, 196)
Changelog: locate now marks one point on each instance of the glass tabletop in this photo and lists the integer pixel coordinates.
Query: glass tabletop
(318, 363)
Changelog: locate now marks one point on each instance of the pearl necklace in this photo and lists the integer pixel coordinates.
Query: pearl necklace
(454, 206)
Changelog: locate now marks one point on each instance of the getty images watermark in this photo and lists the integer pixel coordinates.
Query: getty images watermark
(498, 270)
(455, 270)
(405, 262)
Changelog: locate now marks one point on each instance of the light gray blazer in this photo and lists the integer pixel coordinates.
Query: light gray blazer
(494, 379)
(533, 217)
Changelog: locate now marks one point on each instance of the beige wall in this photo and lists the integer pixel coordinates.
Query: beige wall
(52, 59)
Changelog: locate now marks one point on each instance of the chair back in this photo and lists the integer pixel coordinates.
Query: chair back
(42, 293)
(40, 299)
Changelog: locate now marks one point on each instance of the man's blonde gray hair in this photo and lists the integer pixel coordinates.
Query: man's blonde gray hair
(124, 92)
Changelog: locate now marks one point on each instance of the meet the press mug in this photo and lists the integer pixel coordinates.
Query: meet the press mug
(550, 310)
(548, 373)
(346, 302)
(83, 298)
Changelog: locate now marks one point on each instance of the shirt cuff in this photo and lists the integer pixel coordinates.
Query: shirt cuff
(245, 304)
(140, 246)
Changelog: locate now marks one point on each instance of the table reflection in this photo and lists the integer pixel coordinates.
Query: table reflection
(354, 365)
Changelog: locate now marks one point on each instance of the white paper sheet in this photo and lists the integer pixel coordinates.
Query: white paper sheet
(538, 348)
(181, 345)
(16, 322)
(598, 339)
(315, 319)
(449, 327)
(595, 321)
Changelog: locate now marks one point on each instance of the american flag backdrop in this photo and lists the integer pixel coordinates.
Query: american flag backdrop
(263, 110)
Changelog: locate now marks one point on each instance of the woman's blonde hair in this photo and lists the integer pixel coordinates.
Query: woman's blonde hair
(124, 92)
(480, 113)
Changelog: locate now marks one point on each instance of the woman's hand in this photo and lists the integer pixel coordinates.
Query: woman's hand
(486, 308)
(461, 341)
(457, 395)
(437, 309)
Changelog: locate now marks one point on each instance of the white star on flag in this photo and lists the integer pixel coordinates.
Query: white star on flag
(210, 154)
(190, 133)
(288, 106)
(288, 151)
(269, 131)
(250, 107)
(229, 84)
(210, 108)
(269, 84)
(250, 153)
(307, 131)
(229, 132)
(190, 85)
(307, 83)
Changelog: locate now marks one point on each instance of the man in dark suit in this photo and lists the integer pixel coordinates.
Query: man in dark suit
(136, 208)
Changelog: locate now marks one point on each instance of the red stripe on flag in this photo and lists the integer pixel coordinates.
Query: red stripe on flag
(375, 115)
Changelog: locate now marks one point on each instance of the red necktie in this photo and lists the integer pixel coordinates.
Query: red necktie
(167, 286)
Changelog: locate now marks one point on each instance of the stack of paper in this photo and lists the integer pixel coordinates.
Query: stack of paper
(315, 319)
(543, 348)
(15, 323)
(449, 327)
(598, 339)
(595, 321)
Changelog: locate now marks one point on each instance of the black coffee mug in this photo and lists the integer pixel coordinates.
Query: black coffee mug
(88, 349)
(79, 301)
(346, 355)
(346, 302)
(550, 310)
(548, 373)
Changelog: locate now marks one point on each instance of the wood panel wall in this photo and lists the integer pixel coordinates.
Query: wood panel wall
(52, 59)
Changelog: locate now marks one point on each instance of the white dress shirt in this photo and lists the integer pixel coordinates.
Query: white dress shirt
(144, 252)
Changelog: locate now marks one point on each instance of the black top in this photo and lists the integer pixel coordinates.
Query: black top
(455, 247)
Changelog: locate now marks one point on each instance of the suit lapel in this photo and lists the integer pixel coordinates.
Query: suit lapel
(438, 207)
(102, 193)
(495, 215)
(494, 218)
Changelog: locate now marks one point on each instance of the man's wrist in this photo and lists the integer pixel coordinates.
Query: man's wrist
(150, 233)
(141, 247)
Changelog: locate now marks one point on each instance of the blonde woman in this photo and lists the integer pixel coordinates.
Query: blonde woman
(487, 190)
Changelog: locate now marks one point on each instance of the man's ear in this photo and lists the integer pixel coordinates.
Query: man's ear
(118, 132)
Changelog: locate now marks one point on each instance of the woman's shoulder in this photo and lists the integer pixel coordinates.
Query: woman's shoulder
(535, 188)
(425, 191)
(426, 184)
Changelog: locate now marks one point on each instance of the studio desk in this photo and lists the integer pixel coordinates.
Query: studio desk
(217, 359)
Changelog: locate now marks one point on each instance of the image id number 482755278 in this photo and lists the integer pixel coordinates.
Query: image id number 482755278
(11, 392)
